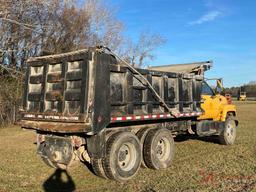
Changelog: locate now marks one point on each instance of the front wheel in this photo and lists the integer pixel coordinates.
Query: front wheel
(228, 135)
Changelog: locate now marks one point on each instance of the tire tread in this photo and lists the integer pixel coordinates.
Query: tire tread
(147, 148)
(97, 167)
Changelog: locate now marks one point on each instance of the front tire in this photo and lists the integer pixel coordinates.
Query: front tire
(228, 135)
(123, 156)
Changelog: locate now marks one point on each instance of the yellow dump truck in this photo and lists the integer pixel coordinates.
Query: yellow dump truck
(90, 105)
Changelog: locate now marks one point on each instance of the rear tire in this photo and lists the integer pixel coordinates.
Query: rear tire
(97, 167)
(228, 135)
(141, 134)
(158, 149)
(123, 156)
(97, 163)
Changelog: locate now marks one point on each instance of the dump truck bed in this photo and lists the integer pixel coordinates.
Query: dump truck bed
(89, 90)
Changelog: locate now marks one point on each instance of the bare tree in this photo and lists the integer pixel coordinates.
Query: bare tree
(105, 29)
(34, 27)
(143, 49)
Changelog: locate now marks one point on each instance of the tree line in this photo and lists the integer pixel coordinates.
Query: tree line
(249, 88)
(33, 27)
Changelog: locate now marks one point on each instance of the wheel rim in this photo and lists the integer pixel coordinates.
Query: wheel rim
(163, 149)
(230, 131)
(127, 156)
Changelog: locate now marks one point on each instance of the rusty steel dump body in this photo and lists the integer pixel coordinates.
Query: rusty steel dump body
(89, 90)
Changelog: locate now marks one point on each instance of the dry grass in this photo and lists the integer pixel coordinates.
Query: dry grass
(198, 166)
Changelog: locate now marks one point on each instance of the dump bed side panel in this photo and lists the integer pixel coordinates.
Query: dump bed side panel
(132, 100)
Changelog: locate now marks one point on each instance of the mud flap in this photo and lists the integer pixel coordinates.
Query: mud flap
(96, 145)
(56, 151)
(208, 128)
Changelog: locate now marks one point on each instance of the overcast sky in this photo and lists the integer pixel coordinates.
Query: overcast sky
(197, 30)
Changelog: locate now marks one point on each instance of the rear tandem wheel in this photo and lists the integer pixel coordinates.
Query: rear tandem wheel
(123, 156)
(141, 134)
(97, 163)
(158, 149)
(97, 167)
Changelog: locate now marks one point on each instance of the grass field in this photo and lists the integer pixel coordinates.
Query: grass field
(198, 165)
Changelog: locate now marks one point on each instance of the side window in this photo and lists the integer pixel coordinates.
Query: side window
(206, 89)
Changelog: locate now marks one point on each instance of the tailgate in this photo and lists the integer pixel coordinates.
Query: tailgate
(56, 87)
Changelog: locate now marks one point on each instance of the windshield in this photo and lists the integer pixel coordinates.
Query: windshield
(206, 89)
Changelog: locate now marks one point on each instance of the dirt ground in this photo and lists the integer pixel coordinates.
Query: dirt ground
(199, 165)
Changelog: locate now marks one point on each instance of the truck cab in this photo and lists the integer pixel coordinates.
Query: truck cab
(219, 117)
(216, 106)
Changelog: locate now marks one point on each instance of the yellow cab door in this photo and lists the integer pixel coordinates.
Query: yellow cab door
(210, 103)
